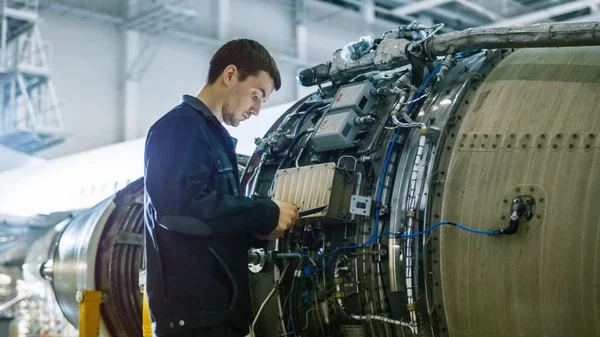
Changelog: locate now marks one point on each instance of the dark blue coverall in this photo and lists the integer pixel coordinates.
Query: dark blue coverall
(198, 227)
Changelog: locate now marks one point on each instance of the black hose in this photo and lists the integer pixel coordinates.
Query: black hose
(255, 159)
(288, 156)
(304, 117)
(513, 227)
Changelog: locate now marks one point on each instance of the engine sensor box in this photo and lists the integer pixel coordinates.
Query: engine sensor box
(336, 131)
(355, 96)
(315, 185)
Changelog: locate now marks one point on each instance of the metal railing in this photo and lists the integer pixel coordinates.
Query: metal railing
(27, 5)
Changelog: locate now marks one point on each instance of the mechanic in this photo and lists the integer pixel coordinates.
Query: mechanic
(198, 226)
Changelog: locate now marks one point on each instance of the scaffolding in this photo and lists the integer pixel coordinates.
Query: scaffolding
(30, 118)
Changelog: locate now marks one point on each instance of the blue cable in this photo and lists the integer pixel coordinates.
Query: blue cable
(475, 231)
(374, 238)
(488, 232)
(391, 148)
(467, 53)
(383, 173)
(308, 296)
(370, 241)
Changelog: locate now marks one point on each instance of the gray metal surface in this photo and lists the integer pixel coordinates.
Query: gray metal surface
(360, 205)
(75, 259)
(43, 312)
(355, 96)
(336, 131)
(533, 130)
(39, 252)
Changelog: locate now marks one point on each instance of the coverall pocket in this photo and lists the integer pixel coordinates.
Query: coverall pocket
(224, 179)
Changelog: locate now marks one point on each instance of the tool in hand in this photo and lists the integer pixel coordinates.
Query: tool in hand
(311, 211)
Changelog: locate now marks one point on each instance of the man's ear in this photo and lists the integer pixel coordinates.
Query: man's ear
(229, 74)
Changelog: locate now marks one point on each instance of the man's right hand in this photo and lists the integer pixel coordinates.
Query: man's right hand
(288, 215)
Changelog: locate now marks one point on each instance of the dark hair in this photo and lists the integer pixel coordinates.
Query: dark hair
(248, 56)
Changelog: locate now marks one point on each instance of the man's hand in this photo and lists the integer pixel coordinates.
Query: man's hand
(288, 215)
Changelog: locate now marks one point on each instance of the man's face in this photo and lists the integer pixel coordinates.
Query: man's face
(245, 98)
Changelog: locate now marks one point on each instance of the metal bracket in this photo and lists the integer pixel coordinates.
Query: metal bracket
(523, 207)
(256, 259)
(89, 312)
(360, 205)
(346, 166)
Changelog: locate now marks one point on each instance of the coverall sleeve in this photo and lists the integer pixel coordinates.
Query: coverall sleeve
(178, 165)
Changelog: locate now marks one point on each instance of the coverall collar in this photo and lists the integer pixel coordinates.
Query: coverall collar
(198, 105)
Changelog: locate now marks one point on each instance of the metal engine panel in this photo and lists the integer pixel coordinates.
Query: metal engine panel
(74, 259)
(532, 131)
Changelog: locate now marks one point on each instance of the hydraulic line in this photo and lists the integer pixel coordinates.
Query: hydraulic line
(288, 156)
(11, 302)
(266, 301)
(306, 114)
(338, 281)
(395, 53)
(254, 177)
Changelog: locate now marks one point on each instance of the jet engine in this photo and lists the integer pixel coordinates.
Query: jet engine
(448, 186)
(100, 249)
(459, 197)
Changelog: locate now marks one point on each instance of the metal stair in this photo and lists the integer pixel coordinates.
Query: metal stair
(30, 118)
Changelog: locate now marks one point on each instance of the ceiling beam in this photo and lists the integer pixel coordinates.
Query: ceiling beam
(418, 6)
(545, 14)
(86, 14)
(585, 18)
(319, 4)
(480, 10)
(441, 14)
(593, 16)
(158, 18)
(512, 6)
(180, 35)
(385, 11)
